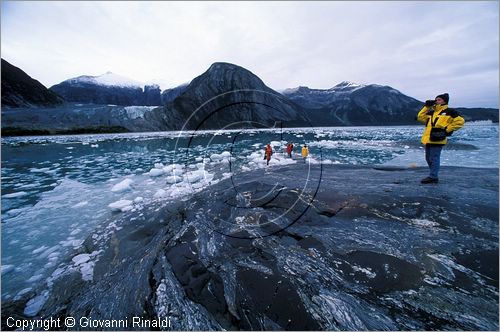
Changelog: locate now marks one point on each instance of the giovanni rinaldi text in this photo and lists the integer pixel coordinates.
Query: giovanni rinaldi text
(88, 322)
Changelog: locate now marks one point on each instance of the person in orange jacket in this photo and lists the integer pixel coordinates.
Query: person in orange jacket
(268, 152)
(440, 122)
(289, 149)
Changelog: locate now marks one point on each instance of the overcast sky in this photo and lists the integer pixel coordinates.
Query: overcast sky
(421, 48)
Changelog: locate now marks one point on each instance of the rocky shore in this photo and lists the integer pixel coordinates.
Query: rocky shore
(299, 247)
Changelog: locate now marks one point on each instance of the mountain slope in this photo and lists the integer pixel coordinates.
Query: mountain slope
(229, 96)
(20, 90)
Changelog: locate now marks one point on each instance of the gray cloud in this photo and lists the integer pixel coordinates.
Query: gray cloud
(420, 48)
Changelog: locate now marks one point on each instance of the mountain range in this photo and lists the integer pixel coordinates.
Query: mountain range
(225, 96)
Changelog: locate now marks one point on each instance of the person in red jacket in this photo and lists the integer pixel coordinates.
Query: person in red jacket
(268, 152)
(289, 149)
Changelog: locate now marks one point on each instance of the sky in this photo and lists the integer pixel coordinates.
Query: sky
(421, 48)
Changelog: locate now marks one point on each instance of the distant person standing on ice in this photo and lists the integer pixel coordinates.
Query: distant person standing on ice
(268, 152)
(440, 122)
(305, 152)
(289, 149)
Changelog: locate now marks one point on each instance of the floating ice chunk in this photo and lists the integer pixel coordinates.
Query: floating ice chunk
(76, 231)
(50, 251)
(35, 278)
(94, 145)
(15, 195)
(159, 165)
(22, 292)
(30, 185)
(155, 172)
(35, 304)
(195, 176)
(40, 249)
(174, 179)
(215, 157)
(138, 199)
(122, 186)
(7, 268)
(39, 170)
(177, 172)
(81, 204)
(120, 205)
(225, 154)
(160, 193)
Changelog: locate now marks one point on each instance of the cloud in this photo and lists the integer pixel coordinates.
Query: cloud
(415, 47)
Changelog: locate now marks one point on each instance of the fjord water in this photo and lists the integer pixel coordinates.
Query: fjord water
(56, 190)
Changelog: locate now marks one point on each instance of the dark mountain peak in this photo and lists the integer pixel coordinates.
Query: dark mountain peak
(223, 76)
(20, 90)
(216, 66)
(227, 94)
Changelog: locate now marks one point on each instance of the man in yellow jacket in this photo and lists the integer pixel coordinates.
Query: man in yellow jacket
(440, 122)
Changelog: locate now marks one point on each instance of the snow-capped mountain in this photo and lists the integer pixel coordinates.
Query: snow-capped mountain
(106, 79)
(108, 88)
(91, 99)
(350, 103)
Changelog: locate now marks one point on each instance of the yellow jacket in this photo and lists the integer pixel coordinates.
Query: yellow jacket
(304, 152)
(441, 117)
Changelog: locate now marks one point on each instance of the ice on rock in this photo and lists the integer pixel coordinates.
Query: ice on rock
(121, 205)
(85, 265)
(122, 186)
(81, 258)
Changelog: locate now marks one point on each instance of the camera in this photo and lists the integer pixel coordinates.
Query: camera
(430, 102)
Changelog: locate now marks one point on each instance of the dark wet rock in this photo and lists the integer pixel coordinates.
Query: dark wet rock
(299, 248)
